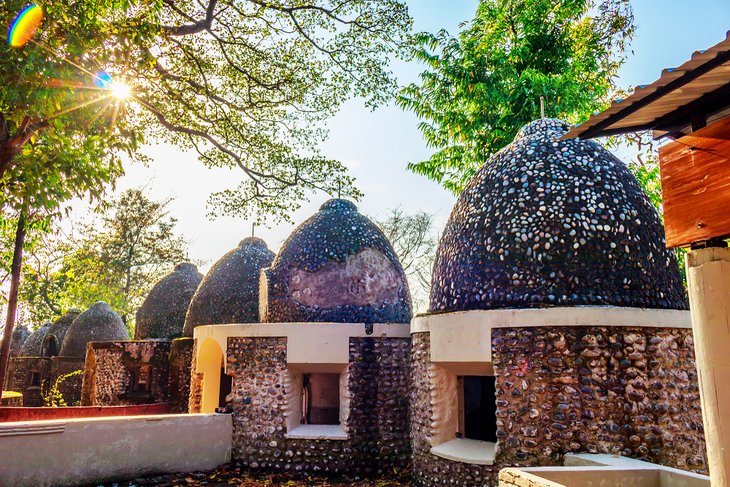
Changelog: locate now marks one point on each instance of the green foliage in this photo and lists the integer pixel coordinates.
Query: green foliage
(53, 397)
(245, 83)
(117, 259)
(480, 87)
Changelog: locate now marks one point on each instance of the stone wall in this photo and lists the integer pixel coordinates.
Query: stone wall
(627, 391)
(195, 401)
(181, 360)
(113, 368)
(428, 469)
(19, 378)
(63, 378)
(376, 424)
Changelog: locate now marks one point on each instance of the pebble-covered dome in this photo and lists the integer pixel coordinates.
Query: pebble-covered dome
(229, 292)
(99, 323)
(56, 333)
(337, 266)
(548, 222)
(32, 345)
(162, 314)
(20, 334)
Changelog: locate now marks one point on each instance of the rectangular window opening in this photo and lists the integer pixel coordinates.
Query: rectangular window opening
(140, 379)
(321, 399)
(35, 379)
(477, 408)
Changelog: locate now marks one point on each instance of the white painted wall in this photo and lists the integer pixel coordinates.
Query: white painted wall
(95, 450)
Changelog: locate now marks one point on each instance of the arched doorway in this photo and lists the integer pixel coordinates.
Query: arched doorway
(210, 362)
(49, 347)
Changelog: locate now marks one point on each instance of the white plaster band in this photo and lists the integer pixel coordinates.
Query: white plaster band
(559, 316)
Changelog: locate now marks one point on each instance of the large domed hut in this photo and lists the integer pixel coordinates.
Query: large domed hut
(336, 267)
(557, 321)
(99, 323)
(162, 314)
(320, 384)
(229, 292)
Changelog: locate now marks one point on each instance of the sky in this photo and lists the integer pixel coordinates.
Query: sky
(377, 145)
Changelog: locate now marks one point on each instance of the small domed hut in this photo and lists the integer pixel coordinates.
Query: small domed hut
(32, 345)
(557, 321)
(20, 334)
(229, 293)
(320, 384)
(99, 323)
(57, 332)
(162, 314)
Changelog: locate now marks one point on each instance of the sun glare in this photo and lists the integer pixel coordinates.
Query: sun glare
(120, 91)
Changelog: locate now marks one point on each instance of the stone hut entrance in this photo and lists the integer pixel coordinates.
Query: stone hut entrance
(211, 365)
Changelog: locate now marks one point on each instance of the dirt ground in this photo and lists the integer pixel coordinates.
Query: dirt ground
(231, 475)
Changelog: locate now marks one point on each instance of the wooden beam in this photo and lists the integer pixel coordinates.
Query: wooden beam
(695, 172)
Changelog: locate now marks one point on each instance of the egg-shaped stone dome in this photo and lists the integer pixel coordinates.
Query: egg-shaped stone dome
(33, 344)
(19, 336)
(57, 332)
(229, 292)
(337, 266)
(547, 222)
(162, 314)
(99, 323)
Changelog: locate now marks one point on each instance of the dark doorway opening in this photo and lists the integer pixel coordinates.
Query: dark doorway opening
(478, 409)
(35, 379)
(50, 346)
(225, 388)
(321, 399)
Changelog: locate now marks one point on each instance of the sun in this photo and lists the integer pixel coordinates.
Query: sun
(119, 90)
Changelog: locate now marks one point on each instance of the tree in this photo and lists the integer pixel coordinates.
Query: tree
(245, 83)
(479, 88)
(116, 260)
(414, 241)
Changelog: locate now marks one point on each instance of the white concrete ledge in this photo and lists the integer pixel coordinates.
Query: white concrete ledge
(317, 432)
(466, 451)
(307, 343)
(558, 316)
(92, 451)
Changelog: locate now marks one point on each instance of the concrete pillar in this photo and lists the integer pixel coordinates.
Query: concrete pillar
(708, 279)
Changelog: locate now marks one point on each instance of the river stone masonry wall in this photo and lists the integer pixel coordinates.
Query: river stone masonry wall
(110, 367)
(625, 391)
(377, 422)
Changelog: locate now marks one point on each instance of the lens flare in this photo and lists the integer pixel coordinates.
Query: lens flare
(102, 79)
(120, 90)
(25, 25)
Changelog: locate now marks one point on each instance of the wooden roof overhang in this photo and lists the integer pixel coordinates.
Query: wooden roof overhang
(682, 100)
(692, 105)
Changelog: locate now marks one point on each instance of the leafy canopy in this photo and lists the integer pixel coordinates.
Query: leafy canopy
(481, 86)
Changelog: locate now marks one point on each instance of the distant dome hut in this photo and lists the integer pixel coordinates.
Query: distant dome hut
(99, 323)
(229, 292)
(53, 339)
(337, 266)
(20, 334)
(162, 314)
(33, 344)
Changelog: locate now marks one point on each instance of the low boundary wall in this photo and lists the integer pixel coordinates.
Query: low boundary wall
(34, 414)
(96, 450)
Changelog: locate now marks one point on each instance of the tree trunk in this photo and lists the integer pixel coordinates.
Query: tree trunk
(12, 298)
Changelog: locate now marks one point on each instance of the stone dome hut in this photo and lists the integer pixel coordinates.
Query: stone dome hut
(229, 293)
(162, 314)
(551, 223)
(557, 322)
(99, 323)
(320, 384)
(337, 266)
(20, 334)
(32, 345)
(53, 339)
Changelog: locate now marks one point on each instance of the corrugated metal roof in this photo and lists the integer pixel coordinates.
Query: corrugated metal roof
(706, 72)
